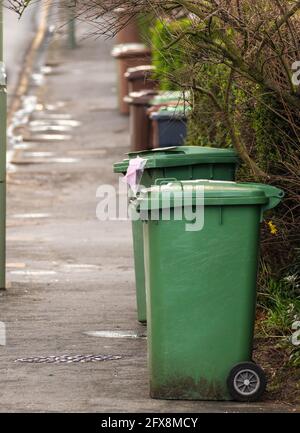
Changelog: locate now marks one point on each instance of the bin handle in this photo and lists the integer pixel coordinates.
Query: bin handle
(164, 180)
(275, 195)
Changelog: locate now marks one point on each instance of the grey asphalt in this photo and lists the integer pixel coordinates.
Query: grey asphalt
(70, 274)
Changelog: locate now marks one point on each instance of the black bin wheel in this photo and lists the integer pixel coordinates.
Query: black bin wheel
(246, 382)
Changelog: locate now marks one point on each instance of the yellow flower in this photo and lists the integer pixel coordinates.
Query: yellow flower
(273, 228)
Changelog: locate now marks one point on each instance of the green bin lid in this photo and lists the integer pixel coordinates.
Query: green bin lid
(216, 193)
(179, 111)
(180, 156)
(169, 96)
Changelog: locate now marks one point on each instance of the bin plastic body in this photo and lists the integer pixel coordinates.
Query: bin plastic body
(182, 163)
(141, 78)
(128, 56)
(169, 126)
(140, 123)
(129, 34)
(139, 120)
(201, 290)
(164, 99)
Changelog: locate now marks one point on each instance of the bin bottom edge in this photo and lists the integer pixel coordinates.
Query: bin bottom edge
(190, 390)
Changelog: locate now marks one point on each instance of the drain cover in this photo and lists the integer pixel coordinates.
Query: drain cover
(68, 359)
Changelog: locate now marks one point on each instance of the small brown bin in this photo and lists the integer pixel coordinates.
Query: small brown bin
(129, 56)
(140, 78)
(139, 120)
(130, 32)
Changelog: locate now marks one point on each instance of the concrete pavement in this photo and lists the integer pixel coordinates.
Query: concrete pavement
(69, 273)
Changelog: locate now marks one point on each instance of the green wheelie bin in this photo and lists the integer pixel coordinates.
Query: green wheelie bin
(201, 288)
(182, 163)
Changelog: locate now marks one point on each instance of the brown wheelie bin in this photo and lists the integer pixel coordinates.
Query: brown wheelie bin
(141, 78)
(128, 56)
(129, 29)
(140, 124)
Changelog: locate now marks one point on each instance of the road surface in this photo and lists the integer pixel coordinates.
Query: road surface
(18, 35)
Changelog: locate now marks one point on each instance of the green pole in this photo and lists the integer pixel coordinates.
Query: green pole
(3, 110)
(71, 29)
(1, 30)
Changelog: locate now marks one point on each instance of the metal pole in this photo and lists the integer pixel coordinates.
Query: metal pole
(1, 30)
(71, 29)
(3, 111)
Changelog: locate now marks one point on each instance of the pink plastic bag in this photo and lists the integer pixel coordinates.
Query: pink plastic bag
(134, 172)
